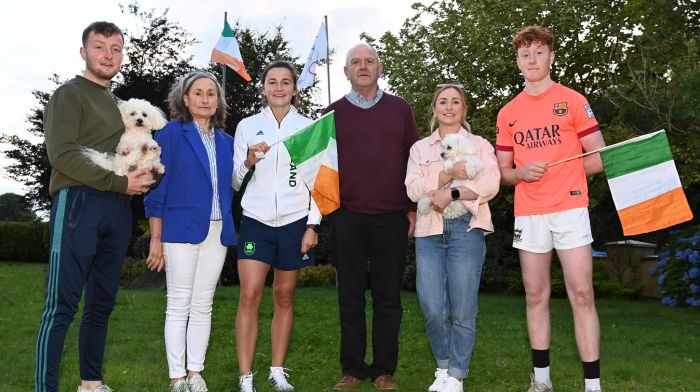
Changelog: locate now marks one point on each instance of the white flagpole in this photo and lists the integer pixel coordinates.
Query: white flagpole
(328, 61)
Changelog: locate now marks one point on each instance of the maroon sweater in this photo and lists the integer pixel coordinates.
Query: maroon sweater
(373, 148)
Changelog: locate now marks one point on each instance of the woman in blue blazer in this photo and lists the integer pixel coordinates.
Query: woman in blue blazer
(189, 214)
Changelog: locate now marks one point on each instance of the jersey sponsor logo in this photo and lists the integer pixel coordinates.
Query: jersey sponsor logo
(538, 137)
(589, 111)
(518, 235)
(292, 175)
(259, 133)
(561, 108)
(249, 248)
(575, 192)
(510, 124)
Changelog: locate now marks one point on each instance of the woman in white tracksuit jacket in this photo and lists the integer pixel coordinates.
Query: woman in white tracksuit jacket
(279, 221)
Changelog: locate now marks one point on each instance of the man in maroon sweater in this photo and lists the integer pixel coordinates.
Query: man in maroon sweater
(375, 131)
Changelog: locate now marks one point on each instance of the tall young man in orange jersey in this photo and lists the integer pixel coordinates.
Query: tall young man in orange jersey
(545, 123)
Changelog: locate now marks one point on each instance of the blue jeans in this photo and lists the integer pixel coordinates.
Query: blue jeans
(448, 272)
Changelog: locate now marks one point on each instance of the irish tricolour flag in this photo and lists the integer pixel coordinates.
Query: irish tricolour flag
(644, 184)
(315, 153)
(227, 52)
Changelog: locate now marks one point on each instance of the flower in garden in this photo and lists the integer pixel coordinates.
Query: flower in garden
(694, 239)
(680, 254)
(669, 301)
(694, 272)
(661, 279)
(681, 240)
(694, 257)
(694, 288)
(664, 254)
(652, 271)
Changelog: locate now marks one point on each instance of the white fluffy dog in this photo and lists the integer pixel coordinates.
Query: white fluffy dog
(455, 148)
(136, 148)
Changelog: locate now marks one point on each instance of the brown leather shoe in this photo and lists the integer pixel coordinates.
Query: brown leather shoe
(385, 382)
(347, 382)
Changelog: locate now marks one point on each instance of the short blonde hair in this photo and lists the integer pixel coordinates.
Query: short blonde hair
(460, 89)
(176, 101)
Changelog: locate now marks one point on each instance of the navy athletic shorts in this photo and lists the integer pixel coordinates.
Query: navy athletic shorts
(278, 246)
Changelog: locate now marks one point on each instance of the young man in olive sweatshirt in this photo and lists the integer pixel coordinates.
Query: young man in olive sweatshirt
(90, 221)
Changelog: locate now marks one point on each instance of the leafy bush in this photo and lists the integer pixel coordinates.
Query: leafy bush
(604, 285)
(317, 275)
(678, 269)
(131, 270)
(24, 241)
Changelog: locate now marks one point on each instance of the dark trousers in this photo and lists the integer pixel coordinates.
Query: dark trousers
(370, 252)
(89, 234)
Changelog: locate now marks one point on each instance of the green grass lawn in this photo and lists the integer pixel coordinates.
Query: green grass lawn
(645, 346)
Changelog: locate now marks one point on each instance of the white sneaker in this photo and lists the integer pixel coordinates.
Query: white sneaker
(536, 386)
(245, 382)
(100, 388)
(180, 386)
(196, 384)
(279, 379)
(452, 385)
(440, 380)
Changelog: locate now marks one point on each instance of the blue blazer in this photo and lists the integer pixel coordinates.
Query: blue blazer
(183, 196)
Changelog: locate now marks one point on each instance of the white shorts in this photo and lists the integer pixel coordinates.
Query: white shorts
(559, 230)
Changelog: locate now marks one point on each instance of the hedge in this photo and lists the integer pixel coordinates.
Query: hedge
(24, 241)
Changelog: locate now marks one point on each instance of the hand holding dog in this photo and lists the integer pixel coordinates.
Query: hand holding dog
(459, 171)
(439, 199)
(139, 182)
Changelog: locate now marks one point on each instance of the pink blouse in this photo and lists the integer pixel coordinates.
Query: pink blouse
(424, 167)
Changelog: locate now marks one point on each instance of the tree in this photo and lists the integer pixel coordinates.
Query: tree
(258, 50)
(155, 59)
(13, 209)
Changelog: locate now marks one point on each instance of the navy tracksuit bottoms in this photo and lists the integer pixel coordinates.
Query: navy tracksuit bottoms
(89, 233)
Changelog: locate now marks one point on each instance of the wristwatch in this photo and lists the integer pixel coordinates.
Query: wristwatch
(312, 227)
(455, 193)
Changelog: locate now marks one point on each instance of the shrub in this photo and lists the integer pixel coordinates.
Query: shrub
(24, 241)
(131, 270)
(678, 269)
(604, 285)
(317, 275)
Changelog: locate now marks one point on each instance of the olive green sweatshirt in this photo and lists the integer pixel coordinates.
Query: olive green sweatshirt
(82, 113)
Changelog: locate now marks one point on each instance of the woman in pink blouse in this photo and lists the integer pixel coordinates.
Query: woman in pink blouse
(450, 252)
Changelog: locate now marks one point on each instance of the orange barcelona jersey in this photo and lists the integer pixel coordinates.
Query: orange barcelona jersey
(547, 128)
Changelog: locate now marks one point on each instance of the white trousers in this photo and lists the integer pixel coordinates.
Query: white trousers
(191, 272)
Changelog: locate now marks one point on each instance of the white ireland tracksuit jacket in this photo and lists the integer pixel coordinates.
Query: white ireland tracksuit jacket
(275, 195)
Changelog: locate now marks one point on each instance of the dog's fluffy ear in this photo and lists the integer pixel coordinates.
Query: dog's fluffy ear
(159, 118)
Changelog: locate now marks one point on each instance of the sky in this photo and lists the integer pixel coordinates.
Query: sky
(40, 38)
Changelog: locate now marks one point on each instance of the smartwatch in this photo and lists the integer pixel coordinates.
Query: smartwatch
(455, 193)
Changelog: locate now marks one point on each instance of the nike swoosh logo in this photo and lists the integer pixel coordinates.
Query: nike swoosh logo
(510, 124)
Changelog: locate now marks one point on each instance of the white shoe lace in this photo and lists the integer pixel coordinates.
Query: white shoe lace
(245, 382)
(197, 384)
(440, 379)
(279, 379)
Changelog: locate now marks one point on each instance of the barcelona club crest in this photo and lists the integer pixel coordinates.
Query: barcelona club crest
(561, 108)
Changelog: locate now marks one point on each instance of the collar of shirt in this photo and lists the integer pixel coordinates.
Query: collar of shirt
(358, 100)
(208, 133)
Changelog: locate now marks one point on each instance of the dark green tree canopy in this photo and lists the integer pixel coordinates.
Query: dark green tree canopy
(12, 208)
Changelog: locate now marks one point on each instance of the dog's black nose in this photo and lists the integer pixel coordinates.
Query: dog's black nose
(139, 122)
(442, 154)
